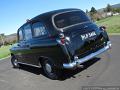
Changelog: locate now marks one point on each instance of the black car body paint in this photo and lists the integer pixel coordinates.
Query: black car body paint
(81, 38)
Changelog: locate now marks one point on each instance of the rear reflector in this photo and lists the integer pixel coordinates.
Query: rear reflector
(62, 40)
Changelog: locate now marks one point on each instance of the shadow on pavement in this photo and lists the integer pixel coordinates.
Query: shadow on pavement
(70, 73)
(66, 73)
(31, 69)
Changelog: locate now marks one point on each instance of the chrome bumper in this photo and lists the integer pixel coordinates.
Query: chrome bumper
(90, 56)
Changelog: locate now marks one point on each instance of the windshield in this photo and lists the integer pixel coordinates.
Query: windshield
(70, 18)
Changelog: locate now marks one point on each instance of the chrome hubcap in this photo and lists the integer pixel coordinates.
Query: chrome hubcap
(15, 62)
(48, 68)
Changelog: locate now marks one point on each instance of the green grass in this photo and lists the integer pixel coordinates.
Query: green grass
(112, 24)
(4, 51)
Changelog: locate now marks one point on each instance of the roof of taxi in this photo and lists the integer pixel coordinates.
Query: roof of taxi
(51, 13)
(48, 15)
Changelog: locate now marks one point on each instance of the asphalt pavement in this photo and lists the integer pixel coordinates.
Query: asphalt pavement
(101, 71)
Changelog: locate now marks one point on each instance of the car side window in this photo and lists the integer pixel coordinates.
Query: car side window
(39, 29)
(27, 32)
(20, 35)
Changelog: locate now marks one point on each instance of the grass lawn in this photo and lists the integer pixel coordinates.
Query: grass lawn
(4, 51)
(112, 24)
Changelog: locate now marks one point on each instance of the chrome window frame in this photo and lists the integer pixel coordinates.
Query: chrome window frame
(61, 29)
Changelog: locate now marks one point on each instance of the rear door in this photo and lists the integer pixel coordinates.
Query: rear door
(28, 58)
(19, 48)
(23, 46)
(40, 44)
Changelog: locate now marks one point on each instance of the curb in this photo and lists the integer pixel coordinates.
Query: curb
(4, 58)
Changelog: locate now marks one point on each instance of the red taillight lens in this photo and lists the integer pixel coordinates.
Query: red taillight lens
(62, 40)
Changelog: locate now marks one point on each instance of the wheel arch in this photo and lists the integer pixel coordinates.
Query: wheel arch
(12, 54)
(42, 58)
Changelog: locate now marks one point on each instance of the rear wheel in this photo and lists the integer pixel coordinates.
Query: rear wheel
(50, 70)
(14, 62)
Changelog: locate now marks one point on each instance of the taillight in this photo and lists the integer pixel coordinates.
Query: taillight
(103, 28)
(62, 40)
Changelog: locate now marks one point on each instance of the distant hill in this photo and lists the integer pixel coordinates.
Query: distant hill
(116, 6)
(11, 37)
(113, 6)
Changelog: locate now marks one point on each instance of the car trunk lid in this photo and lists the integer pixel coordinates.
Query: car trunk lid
(83, 38)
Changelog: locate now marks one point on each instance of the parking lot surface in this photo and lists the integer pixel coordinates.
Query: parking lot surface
(101, 71)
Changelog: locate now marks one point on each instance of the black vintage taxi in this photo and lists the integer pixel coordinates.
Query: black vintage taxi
(57, 40)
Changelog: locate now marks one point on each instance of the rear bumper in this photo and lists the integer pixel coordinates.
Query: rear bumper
(90, 56)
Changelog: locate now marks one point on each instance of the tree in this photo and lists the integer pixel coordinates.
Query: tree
(109, 8)
(93, 10)
(2, 36)
(116, 10)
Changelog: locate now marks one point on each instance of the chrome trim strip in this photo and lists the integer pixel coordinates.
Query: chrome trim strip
(92, 55)
(29, 64)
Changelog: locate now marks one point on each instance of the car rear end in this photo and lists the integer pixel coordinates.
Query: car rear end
(80, 38)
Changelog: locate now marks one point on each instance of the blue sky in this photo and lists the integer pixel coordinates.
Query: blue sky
(13, 13)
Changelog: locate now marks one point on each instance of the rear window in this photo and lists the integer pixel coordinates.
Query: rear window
(70, 18)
